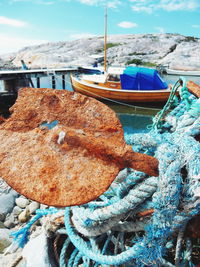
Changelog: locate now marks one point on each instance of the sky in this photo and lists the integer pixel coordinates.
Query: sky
(32, 22)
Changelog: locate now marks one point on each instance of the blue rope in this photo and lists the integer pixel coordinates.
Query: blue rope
(21, 236)
(98, 229)
(62, 259)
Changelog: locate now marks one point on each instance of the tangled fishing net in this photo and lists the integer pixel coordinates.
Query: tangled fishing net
(140, 220)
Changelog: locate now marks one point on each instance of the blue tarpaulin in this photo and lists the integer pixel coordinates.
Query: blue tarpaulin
(136, 78)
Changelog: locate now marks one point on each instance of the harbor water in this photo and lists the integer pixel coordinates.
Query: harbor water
(134, 117)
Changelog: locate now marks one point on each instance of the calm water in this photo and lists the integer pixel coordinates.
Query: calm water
(133, 118)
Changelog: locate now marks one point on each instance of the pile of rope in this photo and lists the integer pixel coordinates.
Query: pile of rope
(141, 220)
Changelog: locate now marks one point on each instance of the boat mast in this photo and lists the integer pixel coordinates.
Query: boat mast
(105, 41)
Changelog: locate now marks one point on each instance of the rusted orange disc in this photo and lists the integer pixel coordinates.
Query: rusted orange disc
(68, 164)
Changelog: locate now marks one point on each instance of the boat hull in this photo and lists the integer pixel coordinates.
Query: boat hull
(183, 72)
(100, 92)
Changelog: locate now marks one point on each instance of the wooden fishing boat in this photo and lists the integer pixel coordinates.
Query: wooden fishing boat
(131, 84)
(183, 72)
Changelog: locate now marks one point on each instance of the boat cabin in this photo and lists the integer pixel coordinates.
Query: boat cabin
(130, 78)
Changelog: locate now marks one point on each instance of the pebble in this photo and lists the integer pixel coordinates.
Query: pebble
(16, 210)
(24, 215)
(43, 206)
(22, 202)
(7, 201)
(9, 221)
(2, 225)
(33, 206)
(5, 239)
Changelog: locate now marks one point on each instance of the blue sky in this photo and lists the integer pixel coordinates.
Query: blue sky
(29, 22)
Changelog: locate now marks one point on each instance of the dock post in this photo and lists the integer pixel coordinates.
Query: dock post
(53, 82)
(38, 82)
(63, 81)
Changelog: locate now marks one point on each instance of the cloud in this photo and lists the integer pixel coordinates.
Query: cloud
(168, 5)
(12, 22)
(75, 36)
(39, 2)
(14, 1)
(160, 29)
(196, 26)
(109, 4)
(11, 44)
(46, 2)
(113, 4)
(89, 2)
(179, 5)
(127, 24)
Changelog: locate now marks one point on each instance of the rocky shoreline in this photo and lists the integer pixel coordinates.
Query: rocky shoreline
(15, 211)
(173, 50)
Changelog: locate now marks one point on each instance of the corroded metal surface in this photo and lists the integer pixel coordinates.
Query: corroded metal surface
(75, 161)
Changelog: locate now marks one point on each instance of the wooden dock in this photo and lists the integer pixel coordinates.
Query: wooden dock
(13, 80)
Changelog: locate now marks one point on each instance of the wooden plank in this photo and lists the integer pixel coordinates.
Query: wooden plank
(63, 81)
(8, 72)
(193, 88)
(53, 82)
(38, 82)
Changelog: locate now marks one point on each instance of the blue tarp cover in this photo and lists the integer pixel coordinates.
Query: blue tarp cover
(136, 78)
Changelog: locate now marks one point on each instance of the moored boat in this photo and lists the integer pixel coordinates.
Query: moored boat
(183, 72)
(131, 84)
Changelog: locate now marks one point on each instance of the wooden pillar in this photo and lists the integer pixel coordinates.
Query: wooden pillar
(63, 81)
(53, 82)
(38, 82)
(10, 85)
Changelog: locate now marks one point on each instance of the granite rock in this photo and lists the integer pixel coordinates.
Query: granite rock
(177, 51)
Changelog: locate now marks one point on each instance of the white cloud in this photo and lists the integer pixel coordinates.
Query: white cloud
(113, 4)
(12, 22)
(39, 2)
(11, 44)
(109, 4)
(127, 24)
(75, 36)
(169, 5)
(89, 2)
(46, 2)
(196, 26)
(160, 29)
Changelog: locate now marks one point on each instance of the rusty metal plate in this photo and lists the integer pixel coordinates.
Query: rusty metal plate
(62, 148)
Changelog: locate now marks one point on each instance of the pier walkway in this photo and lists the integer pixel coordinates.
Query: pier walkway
(14, 79)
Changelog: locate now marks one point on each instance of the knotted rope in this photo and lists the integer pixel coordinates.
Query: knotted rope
(111, 231)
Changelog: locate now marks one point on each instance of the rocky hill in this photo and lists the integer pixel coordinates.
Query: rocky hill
(176, 51)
